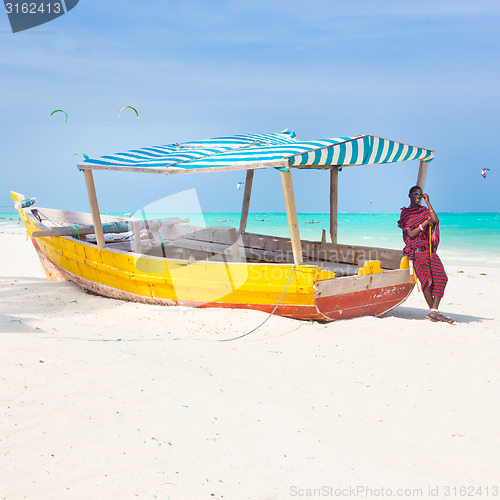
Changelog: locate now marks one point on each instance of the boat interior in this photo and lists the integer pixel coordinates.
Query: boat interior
(175, 238)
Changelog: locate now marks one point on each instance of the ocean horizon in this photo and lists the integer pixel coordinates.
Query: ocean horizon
(467, 236)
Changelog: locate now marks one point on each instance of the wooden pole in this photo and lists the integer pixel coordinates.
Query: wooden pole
(94, 207)
(334, 189)
(246, 201)
(137, 236)
(422, 174)
(286, 181)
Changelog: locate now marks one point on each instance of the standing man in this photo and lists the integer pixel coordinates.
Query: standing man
(420, 227)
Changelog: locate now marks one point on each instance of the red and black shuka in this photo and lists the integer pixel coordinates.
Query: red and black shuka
(426, 262)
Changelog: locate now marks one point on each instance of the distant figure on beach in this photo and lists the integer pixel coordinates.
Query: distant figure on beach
(420, 227)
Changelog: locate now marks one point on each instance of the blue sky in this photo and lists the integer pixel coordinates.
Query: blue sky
(423, 72)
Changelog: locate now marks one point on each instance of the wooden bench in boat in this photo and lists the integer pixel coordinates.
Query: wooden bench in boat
(276, 249)
(340, 269)
(192, 242)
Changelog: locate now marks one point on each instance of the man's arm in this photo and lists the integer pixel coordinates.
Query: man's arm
(434, 217)
(413, 233)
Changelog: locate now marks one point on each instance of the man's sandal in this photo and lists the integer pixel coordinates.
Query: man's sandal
(435, 315)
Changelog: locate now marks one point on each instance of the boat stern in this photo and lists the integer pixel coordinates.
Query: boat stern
(365, 295)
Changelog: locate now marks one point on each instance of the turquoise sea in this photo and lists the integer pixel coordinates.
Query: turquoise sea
(464, 236)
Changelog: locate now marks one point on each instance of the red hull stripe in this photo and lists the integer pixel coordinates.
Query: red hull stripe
(364, 303)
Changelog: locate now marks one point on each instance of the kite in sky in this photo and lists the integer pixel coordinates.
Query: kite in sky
(483, 172)
(126, 106)
(60, 111)
(239, 185)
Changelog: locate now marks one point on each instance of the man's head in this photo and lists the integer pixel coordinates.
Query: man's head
(415, 194)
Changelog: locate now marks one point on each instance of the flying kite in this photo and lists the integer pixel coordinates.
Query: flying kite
(240, 184)
(60, 111)
(126, 106)
(483, 172)
(83, 154)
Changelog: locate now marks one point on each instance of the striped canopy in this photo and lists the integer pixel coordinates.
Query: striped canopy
(244, 152)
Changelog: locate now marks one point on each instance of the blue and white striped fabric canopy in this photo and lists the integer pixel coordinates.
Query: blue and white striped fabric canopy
(244, 152)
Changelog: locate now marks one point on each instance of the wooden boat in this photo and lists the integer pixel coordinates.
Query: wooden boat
(221, 267)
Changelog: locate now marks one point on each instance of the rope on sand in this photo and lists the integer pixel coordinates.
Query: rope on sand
(270, 314)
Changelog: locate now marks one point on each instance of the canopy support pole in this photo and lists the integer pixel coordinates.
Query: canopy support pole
(334, 190)
(293, 224)
(422, 174)
(246, 201)
(94, 207)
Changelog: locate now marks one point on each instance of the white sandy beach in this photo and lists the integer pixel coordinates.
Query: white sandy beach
(108, 399)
